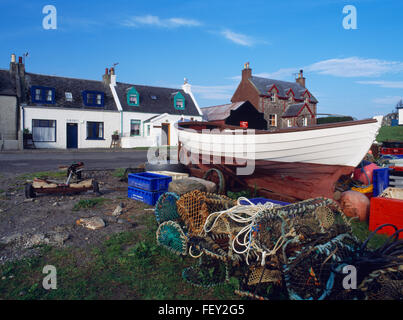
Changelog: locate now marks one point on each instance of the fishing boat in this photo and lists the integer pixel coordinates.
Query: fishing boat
(298, 163)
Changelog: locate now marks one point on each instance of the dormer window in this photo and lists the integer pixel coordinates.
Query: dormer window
(179, 101)
(273, 97)
(37, 94)
(49, 96)
(290, 95)
(307, 96)
(99, 99)
(133, 97)
(179, 104)
(69, 96)
(42, 95)
(93, 98)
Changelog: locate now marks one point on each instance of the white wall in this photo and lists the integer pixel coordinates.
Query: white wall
(112, 122)
(155, 133)
(110, 119)
(400, 116)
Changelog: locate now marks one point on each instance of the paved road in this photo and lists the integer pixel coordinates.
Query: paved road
(40, 160)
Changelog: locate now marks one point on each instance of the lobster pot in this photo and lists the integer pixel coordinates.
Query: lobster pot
(194, 208)
(165, 208)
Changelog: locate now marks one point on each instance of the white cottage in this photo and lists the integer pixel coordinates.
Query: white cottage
(76, 113)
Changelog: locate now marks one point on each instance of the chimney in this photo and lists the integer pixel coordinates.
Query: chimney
(246, 72)
(13, 65)
(17, 74)
(113, 77)
(21, 67)
(106, 78)
(301, 79)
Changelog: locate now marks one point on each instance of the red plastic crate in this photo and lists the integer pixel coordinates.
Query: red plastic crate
(386, 210)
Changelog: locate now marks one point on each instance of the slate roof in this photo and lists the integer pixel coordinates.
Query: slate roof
(264, 84)
(163, 103)
(63, 85)
(7, 84)
(293, 110)
(220, 112)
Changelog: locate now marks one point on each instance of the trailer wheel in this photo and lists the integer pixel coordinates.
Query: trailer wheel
(217, 177)
(95, 187)
(29, 191)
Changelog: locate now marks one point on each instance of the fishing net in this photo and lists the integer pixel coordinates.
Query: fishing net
(386, 284)
(171, 236)
(165, 208)
(194, 208)
(296, 251)
(380, 271)
(308, 270)
(263, 275)
(208, 272)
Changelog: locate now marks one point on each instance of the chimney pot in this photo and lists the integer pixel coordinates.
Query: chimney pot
(20, 60)
(13, 58)
(246, 72)
(301, 79)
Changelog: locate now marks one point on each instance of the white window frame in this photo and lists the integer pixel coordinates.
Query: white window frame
(39, 132)
(49, 95)
(69, 96)
(289, 124)
(99, 99)
(275, 120)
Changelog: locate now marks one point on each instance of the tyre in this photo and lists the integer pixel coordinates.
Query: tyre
(181, 168)
(29, 191)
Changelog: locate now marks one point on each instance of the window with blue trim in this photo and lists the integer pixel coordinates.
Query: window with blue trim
(93, 98)
(95, 130)
(42, 95)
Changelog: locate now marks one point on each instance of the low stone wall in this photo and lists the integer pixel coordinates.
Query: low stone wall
(10, 145)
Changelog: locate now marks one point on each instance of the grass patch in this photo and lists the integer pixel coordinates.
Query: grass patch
(361, 231)
(43, 175)
(119, 173)
(129, 265)
(89, 203)
(390, 133)
(140, 148)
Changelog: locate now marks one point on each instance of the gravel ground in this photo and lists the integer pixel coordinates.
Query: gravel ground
(50, 219)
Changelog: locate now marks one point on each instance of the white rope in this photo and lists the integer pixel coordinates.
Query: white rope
(193, 256)
(250, 210)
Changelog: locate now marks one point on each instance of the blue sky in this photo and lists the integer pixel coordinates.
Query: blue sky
(353, 72)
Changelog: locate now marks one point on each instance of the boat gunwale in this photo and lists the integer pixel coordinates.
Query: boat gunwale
(221, 126)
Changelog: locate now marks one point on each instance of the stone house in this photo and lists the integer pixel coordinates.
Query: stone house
(284, 104)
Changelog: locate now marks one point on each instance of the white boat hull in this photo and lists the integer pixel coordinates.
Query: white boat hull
(342, 146)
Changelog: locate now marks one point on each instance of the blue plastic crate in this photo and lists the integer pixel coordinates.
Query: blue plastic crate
(149, 181)
(148, 197)
(380, 179)
(263, 201)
